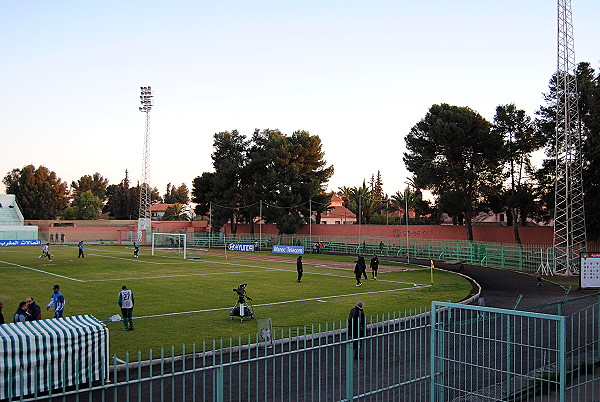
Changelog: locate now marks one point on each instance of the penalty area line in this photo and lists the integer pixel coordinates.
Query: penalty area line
(43, 272)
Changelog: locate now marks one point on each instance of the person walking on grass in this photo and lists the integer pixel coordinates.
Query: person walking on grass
(58, 301)
(126, 303)
(363, 266)
(136, 250)
(80, 246)
(358, 272)
(374, 266)
(299, 268)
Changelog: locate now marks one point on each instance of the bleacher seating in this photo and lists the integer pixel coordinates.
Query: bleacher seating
(10, 215)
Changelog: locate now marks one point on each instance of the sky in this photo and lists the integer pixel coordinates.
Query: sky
(357, 74)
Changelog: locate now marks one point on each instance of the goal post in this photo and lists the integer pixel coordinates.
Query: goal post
(171, 242)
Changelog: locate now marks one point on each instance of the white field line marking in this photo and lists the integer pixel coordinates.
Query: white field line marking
(43, 272)
(305, 272)
(168, 276)
(320, 299)
(237, 265)
(135, 260)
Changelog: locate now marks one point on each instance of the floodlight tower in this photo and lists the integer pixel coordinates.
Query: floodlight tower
(569, 215)
(144, 216)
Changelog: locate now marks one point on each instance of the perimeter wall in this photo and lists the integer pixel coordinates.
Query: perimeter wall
(118, 231)
(494, 234)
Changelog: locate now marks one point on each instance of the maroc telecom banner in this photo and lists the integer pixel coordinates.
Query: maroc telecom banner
(11, 243)
(240, 247)
(287, 249)
(589, 275)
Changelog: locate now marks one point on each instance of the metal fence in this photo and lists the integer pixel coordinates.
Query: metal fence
(472, 353)
(489, 354)
(498, 255)
(318, 365)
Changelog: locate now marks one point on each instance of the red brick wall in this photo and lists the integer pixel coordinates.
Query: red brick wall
(497, 234)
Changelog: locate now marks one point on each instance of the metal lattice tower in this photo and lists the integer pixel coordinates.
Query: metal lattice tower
(569, 216)
(146, 101)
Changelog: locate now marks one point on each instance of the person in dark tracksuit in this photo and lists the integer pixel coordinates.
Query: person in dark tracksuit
(363, 266)
(299, 268)
(356, 326)
(80, 246)
(374, 266)
(357, 272)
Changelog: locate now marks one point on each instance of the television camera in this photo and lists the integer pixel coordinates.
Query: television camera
(243, 307)
(241, 292)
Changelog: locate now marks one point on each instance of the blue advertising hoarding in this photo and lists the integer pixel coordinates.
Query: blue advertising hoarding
(241, 247)
(13, 243)
(287, 249)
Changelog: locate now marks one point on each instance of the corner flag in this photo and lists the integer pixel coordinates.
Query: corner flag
(431, 270)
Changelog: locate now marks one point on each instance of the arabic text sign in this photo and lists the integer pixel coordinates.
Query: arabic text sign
(13, 243)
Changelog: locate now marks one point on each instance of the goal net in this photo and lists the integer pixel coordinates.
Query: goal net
(169, 243)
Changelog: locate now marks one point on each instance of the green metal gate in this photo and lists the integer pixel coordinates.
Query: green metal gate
(491, 354)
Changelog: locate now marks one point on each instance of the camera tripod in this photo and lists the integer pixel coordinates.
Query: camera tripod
(243, 309)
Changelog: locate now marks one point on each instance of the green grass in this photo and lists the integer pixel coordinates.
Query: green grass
(166, 284)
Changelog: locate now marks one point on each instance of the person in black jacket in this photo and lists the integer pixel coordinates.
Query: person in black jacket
(299, 268)
(1, 315)
(357, 272)
(363, 266)
(374, 266)
(21, 313)
(33, 309)
(356, 326)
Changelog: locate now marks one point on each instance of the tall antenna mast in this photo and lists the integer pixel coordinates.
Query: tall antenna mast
(144, 215)
(569, 215)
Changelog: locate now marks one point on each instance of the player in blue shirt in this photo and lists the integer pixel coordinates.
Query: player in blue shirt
(58, 301)
(136, 250)
(81, 246)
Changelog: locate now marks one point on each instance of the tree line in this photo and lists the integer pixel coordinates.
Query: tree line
(41, 194)
(470, 165)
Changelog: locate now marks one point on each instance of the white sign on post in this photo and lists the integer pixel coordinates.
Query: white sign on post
(590, 270)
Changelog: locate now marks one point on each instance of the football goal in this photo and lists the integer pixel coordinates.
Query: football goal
(169, 243)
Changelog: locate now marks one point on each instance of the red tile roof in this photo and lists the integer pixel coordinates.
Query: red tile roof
(159, 207)
(339, 211)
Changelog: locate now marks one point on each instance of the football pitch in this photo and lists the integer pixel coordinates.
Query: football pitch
(188, 301)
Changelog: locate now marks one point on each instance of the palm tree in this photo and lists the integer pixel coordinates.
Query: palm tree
(345, 193)
(321, 203)
(177, 212)
(405, 201)
(362, 203)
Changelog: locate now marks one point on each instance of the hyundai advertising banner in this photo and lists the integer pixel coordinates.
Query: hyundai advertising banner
(287, 249)
(12, 243)
(241, 247)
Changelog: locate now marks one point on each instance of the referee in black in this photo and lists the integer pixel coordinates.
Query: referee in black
(299, 268)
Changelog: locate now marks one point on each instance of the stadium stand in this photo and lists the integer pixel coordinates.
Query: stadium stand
(12, 223)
